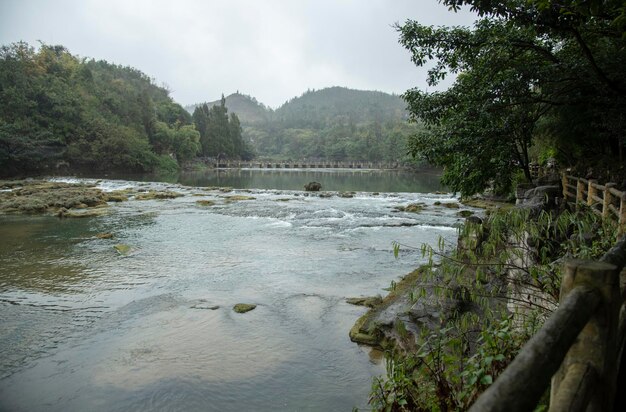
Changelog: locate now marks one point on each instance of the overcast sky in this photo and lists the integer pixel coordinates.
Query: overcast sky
(273, 50)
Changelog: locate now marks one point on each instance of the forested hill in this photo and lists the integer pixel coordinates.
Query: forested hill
(333, 123)
(58, 110)
(319, 107)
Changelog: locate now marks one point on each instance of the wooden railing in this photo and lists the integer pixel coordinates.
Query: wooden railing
(605, 200)
(580, 348)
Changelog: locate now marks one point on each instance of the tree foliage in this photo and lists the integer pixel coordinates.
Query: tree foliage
(220, 135)
(56, 108)
(525, 70)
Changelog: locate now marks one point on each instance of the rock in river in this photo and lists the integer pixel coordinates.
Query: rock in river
(243, 307)
(313, 187)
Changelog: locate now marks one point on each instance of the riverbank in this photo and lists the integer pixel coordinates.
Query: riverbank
(452, 326)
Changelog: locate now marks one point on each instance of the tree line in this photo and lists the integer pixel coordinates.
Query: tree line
(61, 111)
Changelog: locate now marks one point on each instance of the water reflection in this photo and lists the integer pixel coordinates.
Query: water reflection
(34, 253)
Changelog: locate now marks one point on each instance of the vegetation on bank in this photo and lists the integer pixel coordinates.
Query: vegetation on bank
(492, 293)
(535, 79)
(61, 111)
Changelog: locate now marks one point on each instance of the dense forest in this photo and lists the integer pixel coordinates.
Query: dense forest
(61, 111)
(333, 123)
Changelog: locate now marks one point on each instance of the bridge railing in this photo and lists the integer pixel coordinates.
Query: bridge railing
(579, 349)
(303, 164)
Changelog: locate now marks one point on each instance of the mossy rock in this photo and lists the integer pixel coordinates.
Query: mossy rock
(205, 202)
(243, 307)
(451, 205)
(368, 301)
(488, 205)
(83, 213)
(34, 196)
(465, 213)
(359, 335)
(157, 195)
(117, 196)
(104, 235)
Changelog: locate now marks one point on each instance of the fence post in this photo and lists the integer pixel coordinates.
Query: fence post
(622, 215)
(606, 199)
(591, 191)
(580, 191)
(588, 373)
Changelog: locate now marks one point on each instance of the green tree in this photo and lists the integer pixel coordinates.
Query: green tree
(524, 64)
(186, 143)
(58, 109)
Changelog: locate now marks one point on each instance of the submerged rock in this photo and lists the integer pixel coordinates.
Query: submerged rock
(122, 249)
(82, 213)
(237, 198)
(104, 235)
(203, 304)
(205, 202)
(243, 307)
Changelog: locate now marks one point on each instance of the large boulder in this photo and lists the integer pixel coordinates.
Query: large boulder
(539, 196)
(313, 187)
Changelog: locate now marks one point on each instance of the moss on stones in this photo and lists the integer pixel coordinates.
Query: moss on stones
(243, 307)
(35, 196)
(158, 195)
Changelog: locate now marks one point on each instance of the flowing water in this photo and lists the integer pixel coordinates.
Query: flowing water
(85, 328)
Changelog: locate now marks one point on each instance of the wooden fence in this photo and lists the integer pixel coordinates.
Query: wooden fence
(579, 349)
(605, 200)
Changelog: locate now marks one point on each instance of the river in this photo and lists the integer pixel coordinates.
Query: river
(83, 327)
